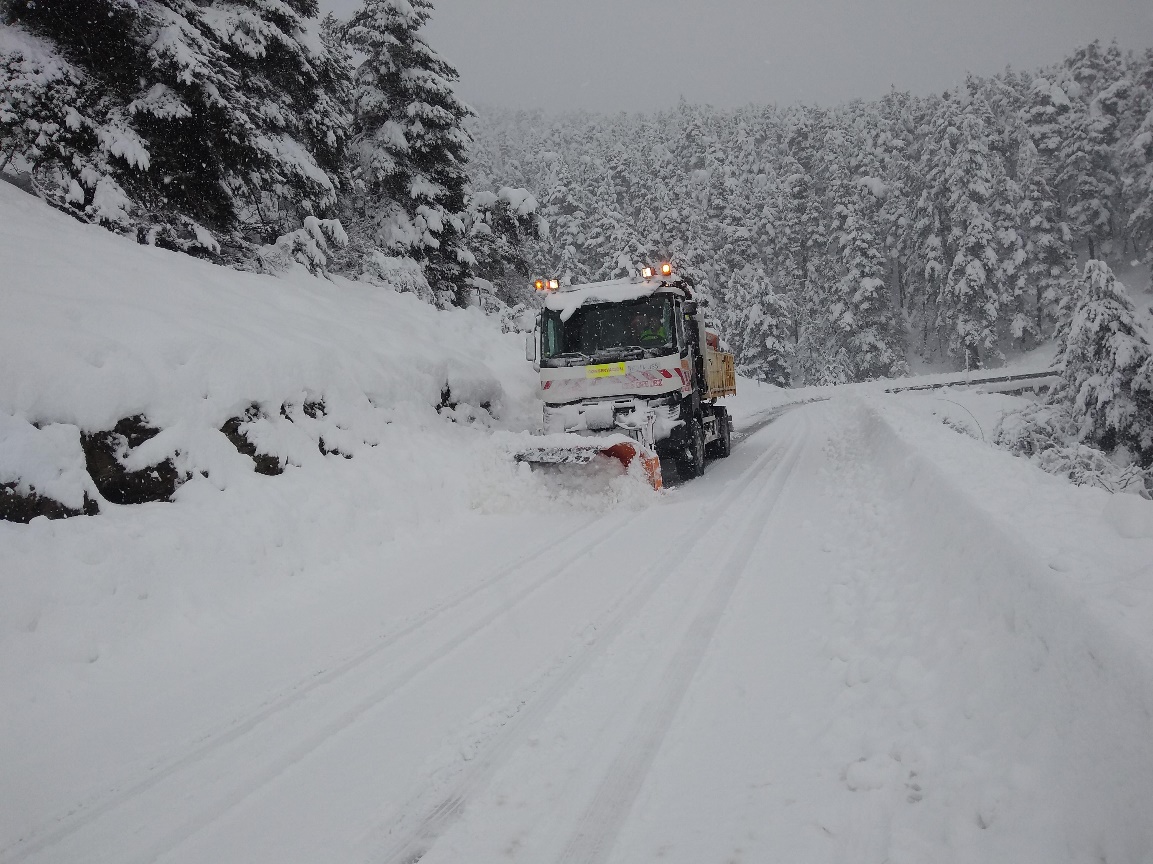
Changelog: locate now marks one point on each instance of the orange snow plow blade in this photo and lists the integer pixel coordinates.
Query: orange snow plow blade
(626, 451)
(580, 454)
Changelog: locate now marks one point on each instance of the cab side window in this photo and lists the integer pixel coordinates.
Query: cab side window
(552, 345)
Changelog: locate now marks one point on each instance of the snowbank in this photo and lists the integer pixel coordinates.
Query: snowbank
(1034, 601)
(97, 328)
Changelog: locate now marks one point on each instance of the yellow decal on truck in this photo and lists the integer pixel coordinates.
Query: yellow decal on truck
(606, 370)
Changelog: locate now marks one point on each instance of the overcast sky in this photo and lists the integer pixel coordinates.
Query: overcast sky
(640, 55)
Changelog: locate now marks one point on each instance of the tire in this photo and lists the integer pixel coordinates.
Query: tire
(725, 440)
(691, 462)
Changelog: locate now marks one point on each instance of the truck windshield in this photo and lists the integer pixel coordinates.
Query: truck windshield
(610, 331)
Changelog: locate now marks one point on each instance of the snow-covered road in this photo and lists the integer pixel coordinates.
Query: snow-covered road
(379, 754)
(776, 662)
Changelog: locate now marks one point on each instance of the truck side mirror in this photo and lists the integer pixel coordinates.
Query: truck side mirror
(530, 346)
(690, 307)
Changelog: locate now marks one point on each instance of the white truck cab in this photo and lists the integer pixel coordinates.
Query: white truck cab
(633, 356)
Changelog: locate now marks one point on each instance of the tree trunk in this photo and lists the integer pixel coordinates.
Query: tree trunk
(1040, 313)
(900, 285)
(972, 357)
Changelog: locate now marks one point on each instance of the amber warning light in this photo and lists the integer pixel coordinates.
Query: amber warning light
(546, 284)
(666, 269)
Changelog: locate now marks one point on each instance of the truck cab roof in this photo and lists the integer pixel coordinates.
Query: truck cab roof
(569, 298)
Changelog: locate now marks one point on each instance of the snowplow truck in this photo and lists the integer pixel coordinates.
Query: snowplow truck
(630, 367)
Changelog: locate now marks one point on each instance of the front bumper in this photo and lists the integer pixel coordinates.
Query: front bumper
(645, 421)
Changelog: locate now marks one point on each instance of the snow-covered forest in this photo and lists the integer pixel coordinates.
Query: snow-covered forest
(838, 241)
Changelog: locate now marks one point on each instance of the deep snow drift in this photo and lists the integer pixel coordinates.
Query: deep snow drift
(865, 636)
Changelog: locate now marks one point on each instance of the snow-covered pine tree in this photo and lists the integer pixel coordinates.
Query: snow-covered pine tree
(1093, 69)
(1045, 118)
(1049, 265)
(858, 302)
(612, 245)
(409, 145)
(635, 198)
(1087, 172)
(1138, 160)
(1107, 367)
(800, 237)
(1007, 95)
(1019, 318)
(745, 228)
(500, 227)
(927, 247)
(761, 328)
(734, 298)
(562, 206)
(896, 142)
(892, 167)
(49, 138)
(689, 230)
(861, 311)
(972, 297)
(220, 114)
(654, 203)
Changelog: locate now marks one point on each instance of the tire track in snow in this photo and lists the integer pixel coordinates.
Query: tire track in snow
(763, 418)
(85, 814)
(222, 805)
(413, 844)
(599, 826)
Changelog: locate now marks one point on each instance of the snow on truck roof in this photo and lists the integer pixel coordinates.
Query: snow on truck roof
(568, 299)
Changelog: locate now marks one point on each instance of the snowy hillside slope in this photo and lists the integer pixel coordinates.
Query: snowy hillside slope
(99, 327)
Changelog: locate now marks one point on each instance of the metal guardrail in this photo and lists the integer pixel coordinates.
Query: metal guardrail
(1037, 378)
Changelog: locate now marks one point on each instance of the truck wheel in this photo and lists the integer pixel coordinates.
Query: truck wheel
(692, 460)
(725, 437)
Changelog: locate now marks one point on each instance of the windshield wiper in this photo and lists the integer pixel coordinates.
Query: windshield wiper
(570, 355)
(627, 351)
